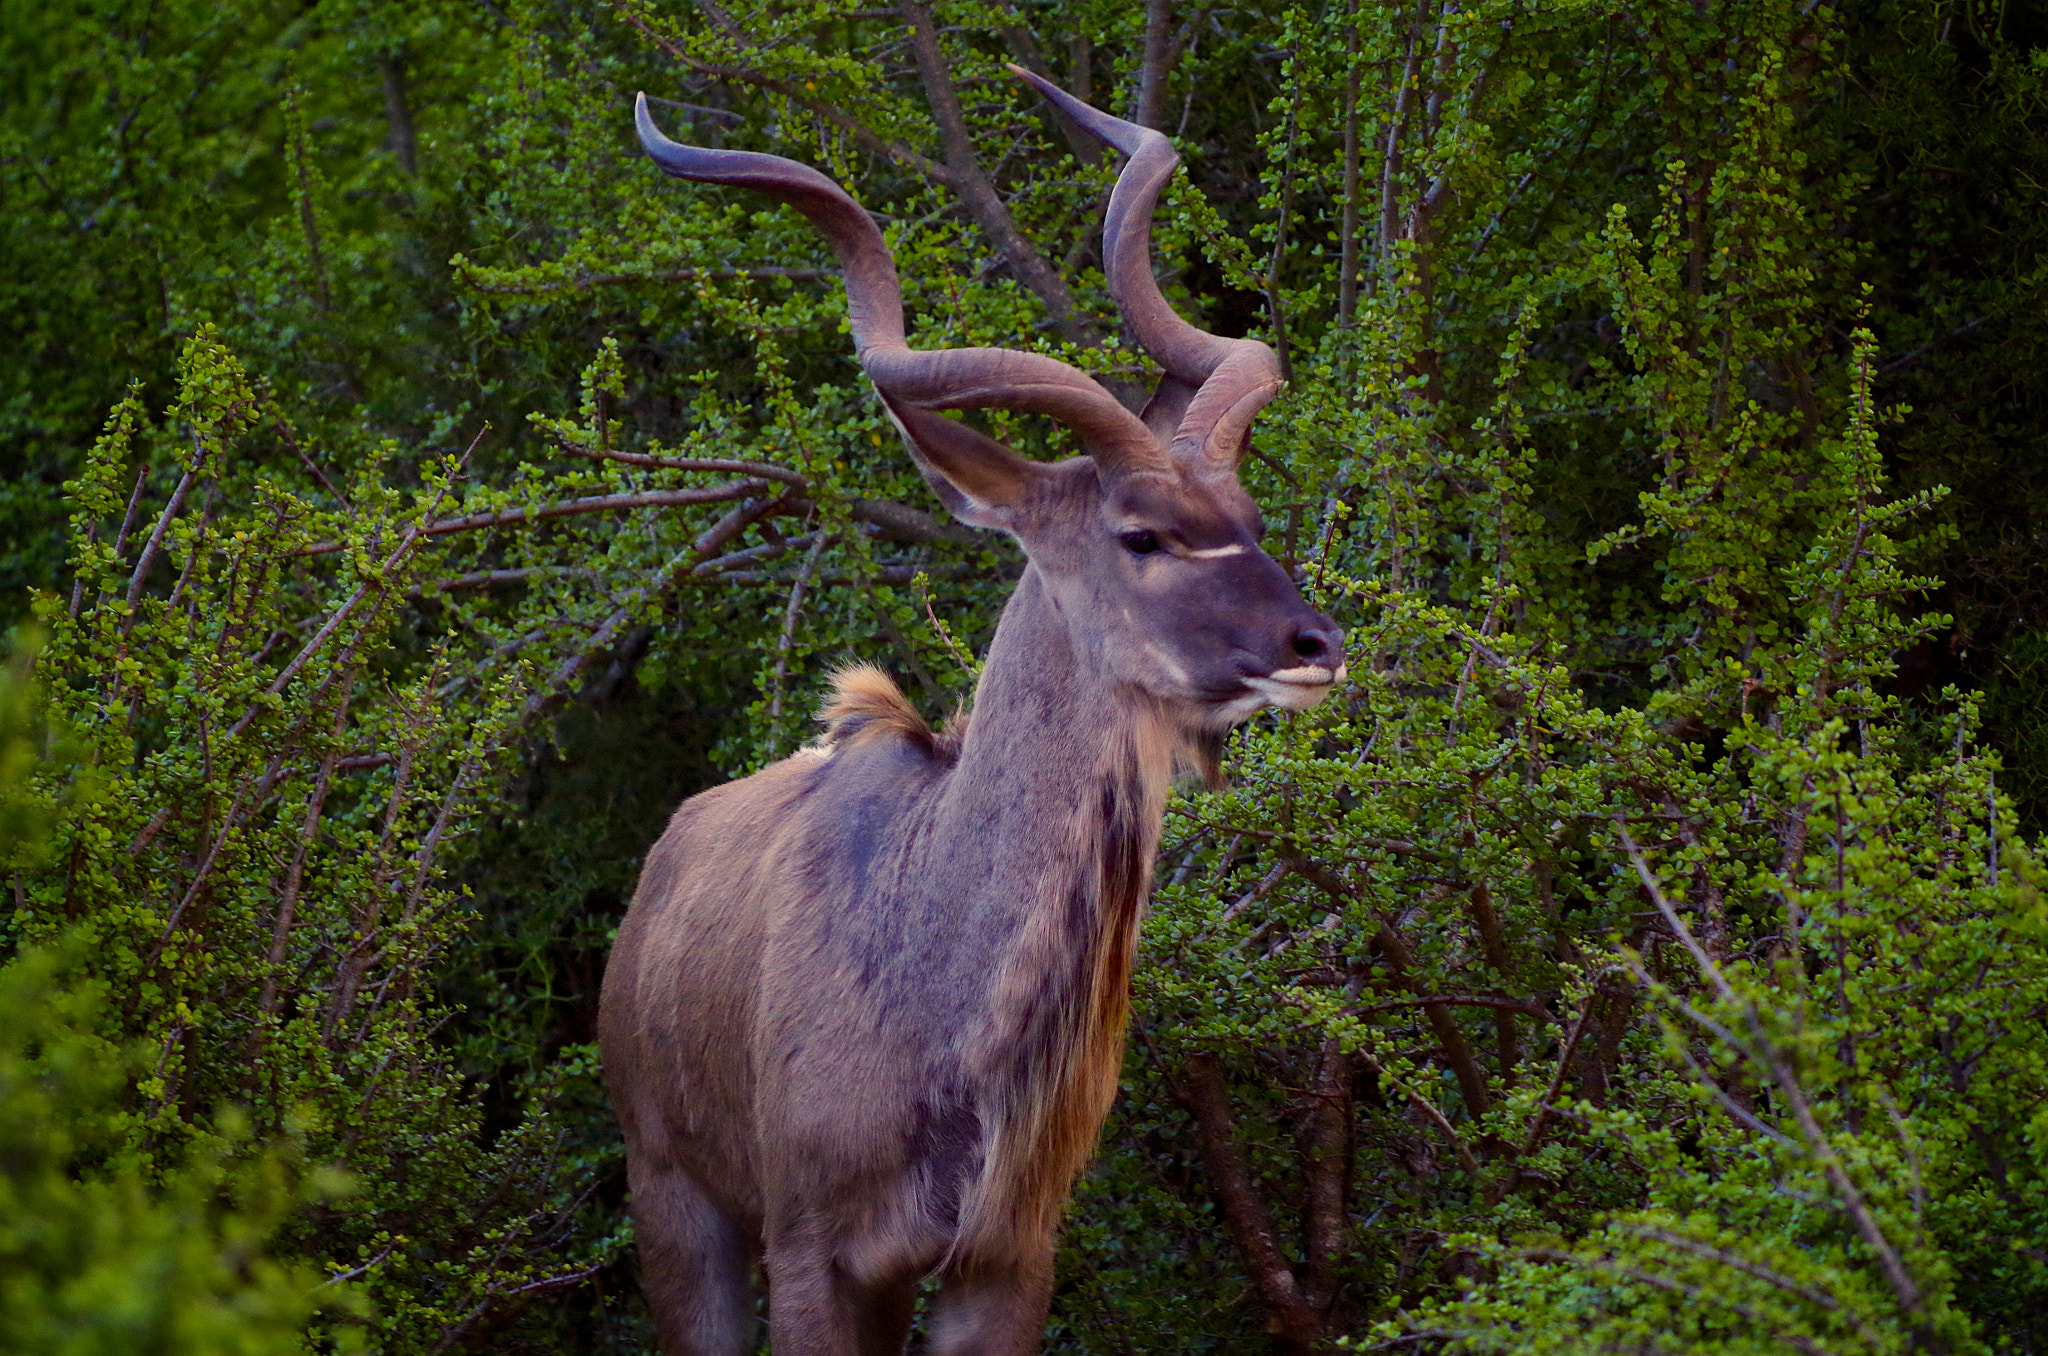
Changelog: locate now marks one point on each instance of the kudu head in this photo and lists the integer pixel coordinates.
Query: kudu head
(1147, 547)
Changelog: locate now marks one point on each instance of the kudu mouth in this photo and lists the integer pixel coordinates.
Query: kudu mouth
(1298, 688)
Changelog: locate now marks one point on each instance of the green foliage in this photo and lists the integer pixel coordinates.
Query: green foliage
(262, 902)
(103, 1250)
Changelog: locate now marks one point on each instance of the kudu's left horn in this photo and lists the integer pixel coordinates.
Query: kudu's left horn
(944, 379)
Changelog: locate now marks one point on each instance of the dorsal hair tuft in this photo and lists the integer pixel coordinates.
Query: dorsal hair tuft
(866, 704)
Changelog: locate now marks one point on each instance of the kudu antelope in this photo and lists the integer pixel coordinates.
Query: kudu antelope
(865, 1016)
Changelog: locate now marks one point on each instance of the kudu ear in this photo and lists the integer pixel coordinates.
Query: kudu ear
(978, 479)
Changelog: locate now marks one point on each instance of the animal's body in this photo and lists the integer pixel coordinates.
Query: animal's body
(865, 1016)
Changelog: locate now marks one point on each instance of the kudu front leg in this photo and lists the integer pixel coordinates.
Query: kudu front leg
(994, 1310)
(694, 1265)
(815, 1308)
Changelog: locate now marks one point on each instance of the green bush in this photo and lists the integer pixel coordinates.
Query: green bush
(106, 1251)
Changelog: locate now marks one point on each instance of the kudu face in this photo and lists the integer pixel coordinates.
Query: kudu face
(1158, 573)
(1149, 546)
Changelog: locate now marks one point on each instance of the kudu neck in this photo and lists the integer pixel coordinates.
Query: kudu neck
(1048, 717)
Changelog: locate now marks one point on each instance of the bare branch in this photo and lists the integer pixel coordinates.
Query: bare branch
(1905, 1291)
(1399, 959)
(602, 503)
(865, 136)
(486, 579)
(1202, 1091)
(1085, 148)
(1762, 1273)
(1540, 1121)
(1708, 969)
(1431, 1110)
(583, 282)
(1467, 1000)
(231, 822)
(975, 188)
(902, 523)
(163, 523)
(374, 583)
(295, 876)
(789, 619)
(760, 469)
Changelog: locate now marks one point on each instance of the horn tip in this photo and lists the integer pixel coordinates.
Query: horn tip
(1030, 78)
(643, 123)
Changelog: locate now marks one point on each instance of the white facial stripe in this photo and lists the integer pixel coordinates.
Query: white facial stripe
(1168, 663)
(1215, 552)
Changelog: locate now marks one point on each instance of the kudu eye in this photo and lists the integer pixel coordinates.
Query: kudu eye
(1139, 542)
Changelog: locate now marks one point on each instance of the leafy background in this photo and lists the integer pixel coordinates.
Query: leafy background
(411, 496)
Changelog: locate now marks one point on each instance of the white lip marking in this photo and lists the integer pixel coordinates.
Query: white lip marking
(1216, 552)
(1291, 696)
(1316, 674)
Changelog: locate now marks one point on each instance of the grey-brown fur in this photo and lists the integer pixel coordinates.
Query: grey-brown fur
(866, 1013)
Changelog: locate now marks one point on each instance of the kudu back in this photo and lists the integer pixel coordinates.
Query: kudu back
(866, 1014)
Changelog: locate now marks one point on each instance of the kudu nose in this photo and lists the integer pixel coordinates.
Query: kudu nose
(1319, 642)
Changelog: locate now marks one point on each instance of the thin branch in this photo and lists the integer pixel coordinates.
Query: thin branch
(340, 1276)
(1708, 970)
(583, 282)
(376, 582)
(288, 898)
(1761, 1273)
(229, 823)
(603, 503)
(710, 540)
(977, 190)
(1086, 149)
(759, 469)
(1280, 871)
(1431, 1110)
(1280, 347)
(163, 524)
(1457, 1051)
(1905, 1291)
(1468, 1000)
(1540, 1121)
(865, 136)
(789, 620)
(1698, 1294)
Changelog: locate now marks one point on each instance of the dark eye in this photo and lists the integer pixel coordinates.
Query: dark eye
(1140, 542)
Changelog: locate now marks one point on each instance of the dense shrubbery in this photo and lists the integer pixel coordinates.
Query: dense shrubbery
(1641, 954)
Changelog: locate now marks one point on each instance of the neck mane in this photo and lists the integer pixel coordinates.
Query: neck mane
(1059, 788)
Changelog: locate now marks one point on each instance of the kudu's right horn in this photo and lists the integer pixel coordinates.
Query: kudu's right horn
(1214, 387)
